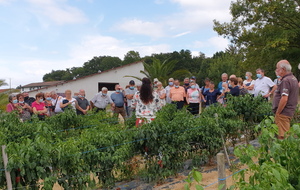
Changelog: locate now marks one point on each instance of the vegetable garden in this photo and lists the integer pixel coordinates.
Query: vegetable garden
(95, 151)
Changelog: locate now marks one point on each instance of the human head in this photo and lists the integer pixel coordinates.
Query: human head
(104, 90)
(176, 82)
(68, 94)
(138, 86)
(47, 96)
(260, 73)
(225, 85)
(12, 97)
(131, 83)
(146, 91)
(232, 76)
(81, 93)
(159, 85)
(207, 82)
(117, 88)
(39, 96)
(283, 67)
(25, 94)
(186, 81)
(155, 80)
(53, 94)
(248, 75)
(240, 81)
(211, 85)
(171, 81)
(233, 81)
(193, 78)
(224, 77)
(20, 98)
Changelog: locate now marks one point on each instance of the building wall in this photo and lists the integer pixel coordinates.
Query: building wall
(90, 83)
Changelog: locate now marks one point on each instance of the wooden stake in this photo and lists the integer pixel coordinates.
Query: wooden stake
(7, 173)
(221, 170)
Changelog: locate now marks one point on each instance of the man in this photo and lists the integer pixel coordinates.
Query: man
(56, 99)
(168, 88)
(285, 97)
(186, 84)
(101, 100)
(129, 93)
(155, 81)
(224, 78)
(193, 79)
(118, 99)
(177, 94)
(28, 100)
(82, 104)
(263, 84)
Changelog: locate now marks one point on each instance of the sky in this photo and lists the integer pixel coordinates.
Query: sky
(38, 36)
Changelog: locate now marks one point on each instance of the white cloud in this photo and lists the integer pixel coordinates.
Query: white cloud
(136, 26)
(211, 45)
(29, 47)
(56, 11)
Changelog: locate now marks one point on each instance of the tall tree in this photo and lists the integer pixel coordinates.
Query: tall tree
(131, 57)
(162, 71)
(264, 31)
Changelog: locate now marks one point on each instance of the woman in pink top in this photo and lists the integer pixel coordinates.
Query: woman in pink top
(13, 103)
(38, 106)
(193, 98)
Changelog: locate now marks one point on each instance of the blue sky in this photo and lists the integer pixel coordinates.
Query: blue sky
(38, 36)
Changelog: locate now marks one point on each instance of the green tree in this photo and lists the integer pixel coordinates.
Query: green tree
(162, 71)
(131, 57)
(264, 31)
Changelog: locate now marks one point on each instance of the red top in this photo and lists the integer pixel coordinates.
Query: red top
(10, 107)
(39, 107)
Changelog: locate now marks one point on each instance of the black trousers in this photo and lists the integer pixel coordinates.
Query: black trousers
(194, 108)
(179, 104)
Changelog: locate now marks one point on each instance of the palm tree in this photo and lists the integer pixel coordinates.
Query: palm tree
(162, 71)
(3, 83)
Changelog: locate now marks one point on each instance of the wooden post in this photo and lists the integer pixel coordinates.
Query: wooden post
(221, 170)
(7, 173)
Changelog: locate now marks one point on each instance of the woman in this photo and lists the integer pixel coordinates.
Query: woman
(243, 90)
(161, 93)
(68, 102)
(49, 104)
(147, 103)
(211, 95)
(13, 103)
(221, 98)
(26, 109)
(193, 98)
(38, 106)
(248, 84)
(234, 90)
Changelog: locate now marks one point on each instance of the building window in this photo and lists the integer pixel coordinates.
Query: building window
(109, 86)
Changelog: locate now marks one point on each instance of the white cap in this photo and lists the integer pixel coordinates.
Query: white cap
(155, 80)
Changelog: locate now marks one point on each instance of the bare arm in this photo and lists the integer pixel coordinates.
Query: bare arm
(282, 104)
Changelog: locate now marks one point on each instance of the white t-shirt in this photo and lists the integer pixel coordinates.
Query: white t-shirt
(56, 103)
(73, 102)
(168, 99)
(262, 86)
(247, 83)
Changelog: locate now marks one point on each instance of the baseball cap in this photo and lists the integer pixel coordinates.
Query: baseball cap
(132, 82)
(193, 77)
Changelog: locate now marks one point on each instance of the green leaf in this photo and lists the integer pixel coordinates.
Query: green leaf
(198, 187)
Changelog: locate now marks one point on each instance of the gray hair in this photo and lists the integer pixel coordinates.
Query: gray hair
(249, 73)
(187, 78)
(10, 97)
(284, 64)
(158, 83)
(224, 74)
(104, 88)
(259, 69)
(52, 92)
(171, 79)
(140, 84)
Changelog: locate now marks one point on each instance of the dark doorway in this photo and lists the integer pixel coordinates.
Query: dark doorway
(108, 85)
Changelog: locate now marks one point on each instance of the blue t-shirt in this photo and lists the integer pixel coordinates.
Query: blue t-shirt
(211, 97)
(118, 99)
(235, 91)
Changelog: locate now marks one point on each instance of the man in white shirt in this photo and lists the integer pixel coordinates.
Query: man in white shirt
(129, 93)
(56, 99)
(263, 84)
(101, 100)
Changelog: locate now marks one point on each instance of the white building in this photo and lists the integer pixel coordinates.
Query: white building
(92, 84)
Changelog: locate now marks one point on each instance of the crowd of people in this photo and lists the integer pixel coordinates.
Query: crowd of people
(146, 98)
